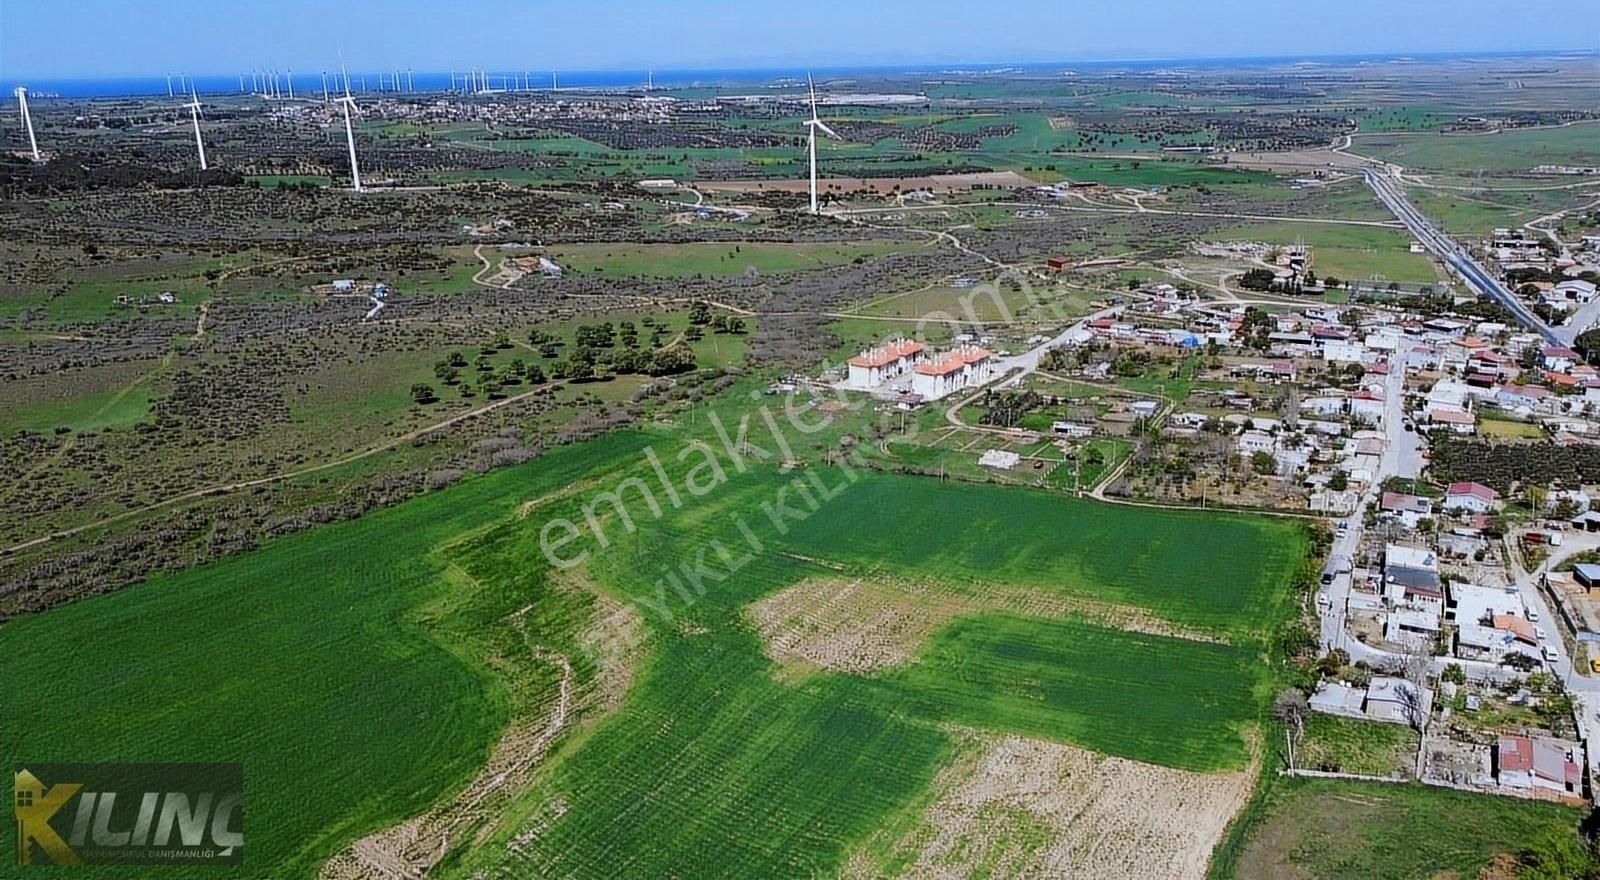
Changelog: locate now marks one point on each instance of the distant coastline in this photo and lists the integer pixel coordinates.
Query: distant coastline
(310, 82)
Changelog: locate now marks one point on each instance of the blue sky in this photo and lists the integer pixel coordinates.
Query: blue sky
(92, 38)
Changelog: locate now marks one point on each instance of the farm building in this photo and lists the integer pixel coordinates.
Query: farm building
(876, 366)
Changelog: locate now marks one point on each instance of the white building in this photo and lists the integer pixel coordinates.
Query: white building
(1470, 498)
(876, 366)
(963, 368)
(1336, 351)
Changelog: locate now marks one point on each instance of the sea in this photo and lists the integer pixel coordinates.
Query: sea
(310, 82)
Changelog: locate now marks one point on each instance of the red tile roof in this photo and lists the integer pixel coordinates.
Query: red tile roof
(1476, 490)
(953, 362)
(1516, 754)
(890, 353)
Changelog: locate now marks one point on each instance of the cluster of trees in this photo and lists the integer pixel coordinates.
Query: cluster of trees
(1005, 409)
(596, 353)
(1498, 465)
(75, 173)
(1257, 327)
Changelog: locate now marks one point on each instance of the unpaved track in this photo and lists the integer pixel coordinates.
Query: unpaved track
(409, 850)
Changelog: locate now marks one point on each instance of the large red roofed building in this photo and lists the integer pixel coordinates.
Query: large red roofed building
(876, 366)
(956, 370)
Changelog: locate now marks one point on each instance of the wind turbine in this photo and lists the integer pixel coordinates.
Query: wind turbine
(27, 121)
(349, 128)
(812, 126)
(289, 78)
(194, 114)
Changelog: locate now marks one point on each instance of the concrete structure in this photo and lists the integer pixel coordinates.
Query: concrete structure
(1540, 766)
(1397, 701)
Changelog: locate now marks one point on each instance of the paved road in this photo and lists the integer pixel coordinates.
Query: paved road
(1402, 456)
(1389, 191)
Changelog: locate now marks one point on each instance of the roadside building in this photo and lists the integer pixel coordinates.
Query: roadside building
(1408, 509)
(1411, 577)
(1453, 421)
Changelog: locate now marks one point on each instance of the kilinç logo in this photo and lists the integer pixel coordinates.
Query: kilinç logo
(129, 814)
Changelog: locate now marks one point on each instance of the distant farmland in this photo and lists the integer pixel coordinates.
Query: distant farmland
(700, 756)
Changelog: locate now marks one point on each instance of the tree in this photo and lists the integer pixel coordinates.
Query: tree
(1455, 673)
(423, 394)
(699, 314)
(1289, 708)
(1339, 482)
(1263, 463)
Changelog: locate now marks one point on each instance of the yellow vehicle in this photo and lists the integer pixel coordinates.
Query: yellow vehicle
(1594, 665)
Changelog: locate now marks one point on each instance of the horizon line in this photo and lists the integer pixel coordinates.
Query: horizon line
(871, 66)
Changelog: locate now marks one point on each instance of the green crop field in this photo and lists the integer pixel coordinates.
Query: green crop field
(306, 662)
(1350, 253)
(407, 659)
(1159, 700)
(1512, 150)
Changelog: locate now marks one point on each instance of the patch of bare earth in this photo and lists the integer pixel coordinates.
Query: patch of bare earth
(411, 848)
(864, 624)
(1009, 806)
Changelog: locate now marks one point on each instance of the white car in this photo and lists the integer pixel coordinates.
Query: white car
(1550, 654)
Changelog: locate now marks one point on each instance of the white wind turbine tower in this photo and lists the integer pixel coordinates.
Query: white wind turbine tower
(349, 128)
(194, 114)
(289, 78)
(27, 121)
(812, 126)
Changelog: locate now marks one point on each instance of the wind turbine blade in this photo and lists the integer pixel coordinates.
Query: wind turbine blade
(813, 87)
(826, 130)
